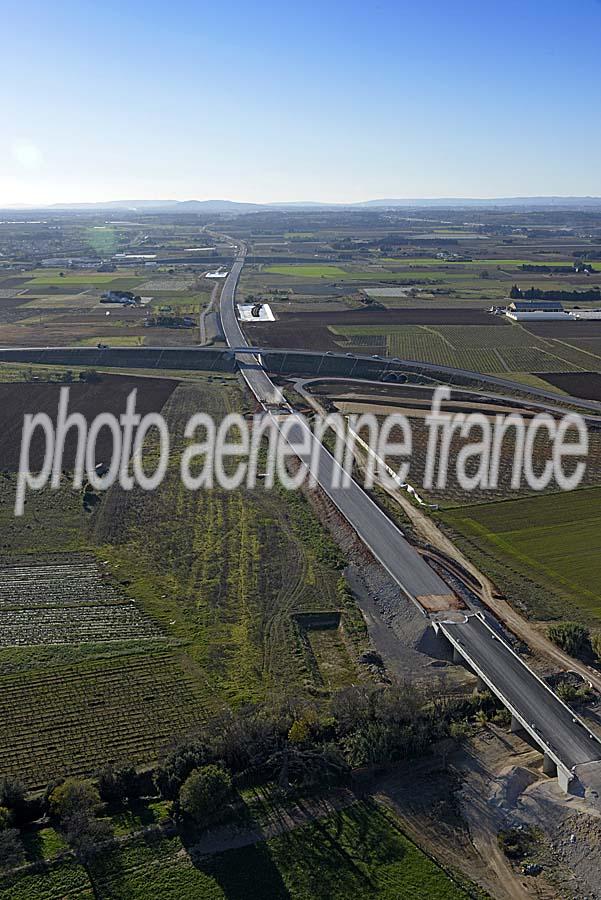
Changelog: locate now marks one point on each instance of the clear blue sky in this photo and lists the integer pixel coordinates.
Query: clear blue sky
(306, 101)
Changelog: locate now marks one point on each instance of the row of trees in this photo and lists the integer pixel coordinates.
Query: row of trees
(297, 744)
(516, 293)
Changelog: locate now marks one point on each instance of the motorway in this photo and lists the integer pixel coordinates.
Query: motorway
(563, 737)
(376, 530)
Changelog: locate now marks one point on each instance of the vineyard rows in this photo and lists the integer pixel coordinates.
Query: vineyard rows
(454, 495)
(476, 347)
(56, 625)
(74, 720)
(61, 585)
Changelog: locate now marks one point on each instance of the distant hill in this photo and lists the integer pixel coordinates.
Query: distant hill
(233, 206)
(450, 202)
(210, 206)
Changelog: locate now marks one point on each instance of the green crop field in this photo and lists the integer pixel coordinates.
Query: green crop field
(52, 276)
(448, 269)
(544, 550)
(309, 271)
(120, 340)
(354, 854)
(371, 273)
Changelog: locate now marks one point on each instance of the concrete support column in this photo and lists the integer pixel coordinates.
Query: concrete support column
(549, 767)
(564, 778)
(457, 657)
(516, 725)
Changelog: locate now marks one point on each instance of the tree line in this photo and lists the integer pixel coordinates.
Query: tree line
(533, 293)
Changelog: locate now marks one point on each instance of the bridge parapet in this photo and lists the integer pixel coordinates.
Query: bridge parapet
(555, 763)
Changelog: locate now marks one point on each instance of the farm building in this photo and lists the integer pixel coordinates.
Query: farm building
(586, 314)
(539, 310)
(536, 306)
(126, 298)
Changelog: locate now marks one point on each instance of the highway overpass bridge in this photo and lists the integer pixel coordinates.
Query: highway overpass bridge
(570, 749)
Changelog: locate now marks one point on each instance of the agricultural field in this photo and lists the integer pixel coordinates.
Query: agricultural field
(48, 306)
(104, 393)
(482, 348)
(326, 329)
(579, 384)
(85, 672)
(543, 551)
(67, 714)
(127, 622)
(227, 568)
(452, 494)
(358, 852)
(466, 279)
(66, 599)
(414, 403)
(444, 336)
(361, 271)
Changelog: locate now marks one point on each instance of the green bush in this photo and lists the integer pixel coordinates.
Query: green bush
(572, 637)
(73, 796)
(11, 849)
(12, 793)
(205, 793)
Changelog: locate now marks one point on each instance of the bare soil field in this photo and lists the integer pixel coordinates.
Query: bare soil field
(108, 394)
(68, 290)
(579, 384)
(565, 331)
(11, 308)
(295, 333)
(309, 330)
(64, 331)
(13, 282)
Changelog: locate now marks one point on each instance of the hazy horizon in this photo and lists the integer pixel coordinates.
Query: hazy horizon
(366, 202)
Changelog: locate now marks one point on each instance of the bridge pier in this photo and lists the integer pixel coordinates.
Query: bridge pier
(565, 780)
(549, 766)
(516, 725)
(457, 657)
